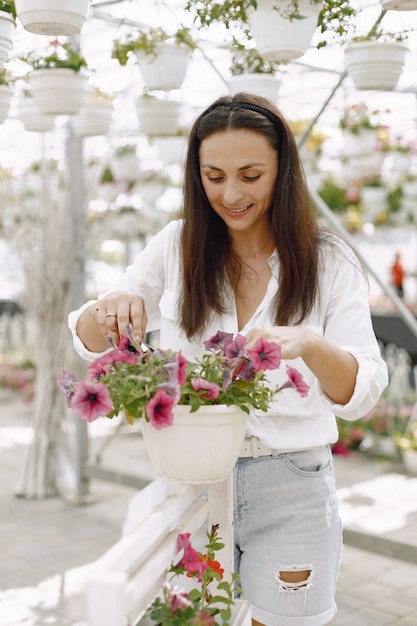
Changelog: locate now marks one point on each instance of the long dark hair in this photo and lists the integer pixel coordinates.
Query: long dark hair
(206, 250)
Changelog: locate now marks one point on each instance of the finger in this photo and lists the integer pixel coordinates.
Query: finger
(138, 318)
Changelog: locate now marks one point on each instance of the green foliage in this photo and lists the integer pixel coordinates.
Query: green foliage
(8, 7)
(334, 195)
(63, 55)
(249, 60)
(147, 40)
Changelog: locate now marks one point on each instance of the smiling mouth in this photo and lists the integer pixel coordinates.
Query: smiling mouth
(236, 211)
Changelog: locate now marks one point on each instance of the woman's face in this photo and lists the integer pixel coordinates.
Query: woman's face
(238, 170)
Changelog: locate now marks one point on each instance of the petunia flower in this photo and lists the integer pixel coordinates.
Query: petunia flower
(68, 384)
(159, 410)
(176, 597)
(265, 355)
(209, 390)
(218, 341)
(203, 618)
(235, 349)
(297, 381)
(91, 400)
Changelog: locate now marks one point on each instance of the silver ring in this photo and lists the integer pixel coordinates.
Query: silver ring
(111, 315)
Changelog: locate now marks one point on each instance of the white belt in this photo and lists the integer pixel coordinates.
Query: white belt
(253, 447)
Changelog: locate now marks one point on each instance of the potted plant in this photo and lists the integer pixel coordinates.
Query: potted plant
(125, 163)
(108, 186)
(58, 79)
(95, 115)
(158, 116)
(359, 127)
(171, 148)
(253, 72)
(7, 29)
(30, 116)
(49, 17)
(376, 60)
(162, 58)
(6, 94)
(193, 415)
(407, 444)
(373, 193)
(282, 30)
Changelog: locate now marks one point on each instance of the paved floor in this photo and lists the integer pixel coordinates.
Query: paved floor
(40, 540)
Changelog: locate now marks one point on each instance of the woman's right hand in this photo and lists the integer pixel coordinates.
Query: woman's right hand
(109, 317)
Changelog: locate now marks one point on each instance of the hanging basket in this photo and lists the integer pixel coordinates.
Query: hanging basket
(32, 119)
(362, 143)
(166, 69)
(399, 5)
(52, 17)
(58, 91)
(171, 149)
(6, 95)
(375, 64)
(7, 28)
(278, 38)
(158, 117)
(200, 447)
(266, 85)
(93, 119)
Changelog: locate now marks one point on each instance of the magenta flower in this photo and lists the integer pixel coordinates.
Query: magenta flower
(193, 563)
(176, 597)
(296, 380)
(91, 400)
(209, 390)
(235, 349)
(68, 384)
(203, 618)
(265, 355)
(159, 410)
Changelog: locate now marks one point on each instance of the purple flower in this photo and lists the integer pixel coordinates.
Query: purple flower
(235, 349)
(209, 390)
(68, 384)
(265, 355)
(159, 410)
(218, 341)
(91, 400)
(297, 381)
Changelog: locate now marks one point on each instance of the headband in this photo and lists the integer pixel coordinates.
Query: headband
(246, 105)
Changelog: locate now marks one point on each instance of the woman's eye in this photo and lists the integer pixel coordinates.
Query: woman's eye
(252, 178)
(215, 179)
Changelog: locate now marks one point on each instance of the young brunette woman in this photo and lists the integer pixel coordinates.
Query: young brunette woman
(249, 257)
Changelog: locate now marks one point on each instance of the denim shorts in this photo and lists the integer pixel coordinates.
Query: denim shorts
(286, 518)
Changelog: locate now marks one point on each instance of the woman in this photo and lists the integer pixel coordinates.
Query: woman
(249, 257)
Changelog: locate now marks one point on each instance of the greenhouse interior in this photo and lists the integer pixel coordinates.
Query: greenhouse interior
(97, 99)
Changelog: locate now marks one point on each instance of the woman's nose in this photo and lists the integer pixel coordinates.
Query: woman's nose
(232, 192)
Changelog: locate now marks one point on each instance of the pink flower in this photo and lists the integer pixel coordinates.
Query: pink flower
(265, 355)
(159, 410)
(91, 400)
(235, 348)
(177, 597)
(297, 381)
(203, 618)
(68, 384)
(191, 559)
(218, 341)
(210, 390)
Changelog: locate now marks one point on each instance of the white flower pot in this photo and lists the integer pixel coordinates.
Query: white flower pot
(125, 167)
(94, 118)
(6, 95)
(410, 460)
(266, 85)
(58, 91)
(278, 38)
(401, 161)
(399, 5)
(167, 68)
(359, 144)
(375, 64)
(7, 29)
(158, 117)
(171, 149)
(200, 447)
(52, 17)
(374, 200)
(32, 119)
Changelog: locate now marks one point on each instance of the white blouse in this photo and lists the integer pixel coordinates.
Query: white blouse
(341, 315)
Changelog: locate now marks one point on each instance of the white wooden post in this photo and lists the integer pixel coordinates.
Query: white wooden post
(220, 504)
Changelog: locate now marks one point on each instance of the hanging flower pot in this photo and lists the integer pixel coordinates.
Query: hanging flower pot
(266, 85)
(359, 143)
(375, 64)
(277, 37)
(32, 119)
(157, 116)
(166, 68)
(200, 447)
(399, 5)
(171, 149)
(94, 118)
(58, 91)
(7, 29)
(125, 163)
(6, 95)
(50, 17)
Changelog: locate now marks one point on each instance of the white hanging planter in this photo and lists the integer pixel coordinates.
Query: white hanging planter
(58, 91)
(399, 5)
(374, 200)
(158, 117)
(278, 38)
(6, 95)
(7, 29)
(125, 167)
(401, 161)
(266, 85)
(167, 68)
(32, 119)
(52, 17)
(93, 119)
(200, 447)
(359, 144)
(375, 64)
(171, 149)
